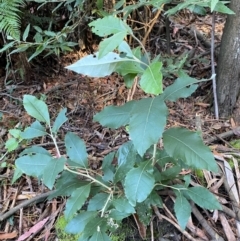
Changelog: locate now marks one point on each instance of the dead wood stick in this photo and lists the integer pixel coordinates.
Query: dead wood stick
(26, 203)
(223, 135)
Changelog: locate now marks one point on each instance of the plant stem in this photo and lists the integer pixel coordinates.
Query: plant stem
(88, 176)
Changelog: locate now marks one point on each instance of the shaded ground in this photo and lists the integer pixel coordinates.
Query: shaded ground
(83, 97)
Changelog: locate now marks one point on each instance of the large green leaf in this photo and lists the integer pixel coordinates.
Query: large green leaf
(126, 160)
(76, 149)
(115, 116)
(95, 225)
(100, 236)
(183, 87)
(34, 130)
(147, 123)
(97, 202)
(78, 223)
(188, 146)
(202, 197)
(139, 183)
(61, 118)
(109, 25)
(92, 66)
(36, 108)
(111, 43)
(35, 149)
(33, 165)
(151, 80)
(182, 209)
(56, 166)
(124, 68)
(122, 205)
(76, 201)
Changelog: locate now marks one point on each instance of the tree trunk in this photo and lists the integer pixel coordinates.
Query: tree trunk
(228, 69)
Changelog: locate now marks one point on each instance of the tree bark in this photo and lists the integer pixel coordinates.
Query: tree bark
(228, 69)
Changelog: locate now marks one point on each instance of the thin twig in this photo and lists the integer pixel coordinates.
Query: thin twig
(213, 68)
(26, 203)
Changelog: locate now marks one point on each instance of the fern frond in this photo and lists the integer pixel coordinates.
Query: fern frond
(10, 21)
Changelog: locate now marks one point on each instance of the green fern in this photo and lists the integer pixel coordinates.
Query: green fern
(10, 21)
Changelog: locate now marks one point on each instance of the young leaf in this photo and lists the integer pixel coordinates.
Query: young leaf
(38, 51)
(11, 144)
(76, 201)
(147, 123)
(36, 108)
(170, 173)
(92, 66)
(202, 197)
(17, 173)
(56, 166)
(122, 205)
(221, 8)
(182, 209)
(125, 48)
(139, 183)
(26, 32)
(115, 116)
(102, 28)
(180, 88)
(126, 160)
(154, 200)
(78, 223)
(61, 118)
(76, 149)
(34, 130)
(95, 225)
(97, 202)
(117, 215)
(151, 80)
(111, 43)
(188, 146)
(33, 165)
(213, 4)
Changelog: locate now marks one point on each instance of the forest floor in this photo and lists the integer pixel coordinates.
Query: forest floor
(83, 97)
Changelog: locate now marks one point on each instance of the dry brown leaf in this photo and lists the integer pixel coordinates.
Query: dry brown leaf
(226, 227)
(8, 235)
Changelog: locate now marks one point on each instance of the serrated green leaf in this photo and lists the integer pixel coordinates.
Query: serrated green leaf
(76, 201)
(151, 80)
(188, 146)
(67, 184)
(139, 183)
(34, 130)
(180, 88)
(102, 28)
(107, 167)
(182, 210)
(97, 202)
(56, 166)
(11, 144)
(202, 197)
(126, 160)
(154, 200)
(78, 223)
(221, 8)
(95, 225)
(115, 116)
(213, 4)
(92, 66)
(15, 133)
(122, 205)
(99, 236)
(26, 32)
(117, 215)
(33, 165)
(36, 108)
(61, 118)
(76, 149)
(124, 68)
(35, 149)
(125, 48)
(147, 123)
(162, 158)
(170, 173)
(111, 43)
